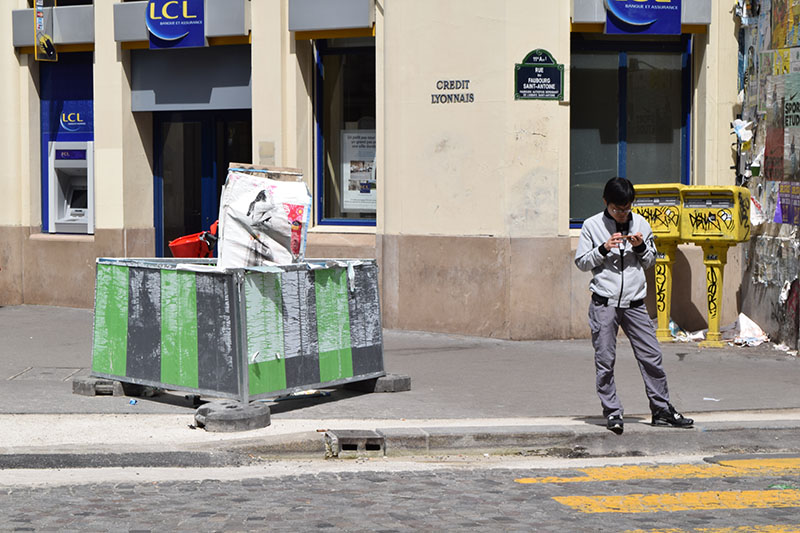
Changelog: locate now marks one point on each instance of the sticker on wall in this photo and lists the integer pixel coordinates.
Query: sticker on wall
(44, 48)
(539, 77)
(175, 23)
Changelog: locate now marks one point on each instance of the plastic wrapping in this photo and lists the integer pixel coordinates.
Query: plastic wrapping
(263, 221)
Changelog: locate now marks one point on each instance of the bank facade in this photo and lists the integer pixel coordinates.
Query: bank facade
(420, 141)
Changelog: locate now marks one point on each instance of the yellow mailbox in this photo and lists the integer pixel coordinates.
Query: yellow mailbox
(715, 214)
(716, 218)
(660, 204)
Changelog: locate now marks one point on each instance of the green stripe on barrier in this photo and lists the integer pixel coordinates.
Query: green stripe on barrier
(333, 325)
(179, 328)
(267, 376)
(265, 344)
(110, 320)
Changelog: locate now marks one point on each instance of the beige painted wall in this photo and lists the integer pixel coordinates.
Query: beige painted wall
(109, 89)
(492, 167)
(12, 87)
(269, 72)
(715, 99)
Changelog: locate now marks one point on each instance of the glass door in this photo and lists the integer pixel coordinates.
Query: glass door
(629, 117)
(192, 154)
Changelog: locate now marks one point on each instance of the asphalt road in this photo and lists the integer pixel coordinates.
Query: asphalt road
(431, 494)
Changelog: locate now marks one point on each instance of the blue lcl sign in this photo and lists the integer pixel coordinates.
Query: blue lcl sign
(175, 23)
(651, 17)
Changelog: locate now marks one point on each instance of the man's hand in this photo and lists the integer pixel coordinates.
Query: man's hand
(614, 241)
(636, 239)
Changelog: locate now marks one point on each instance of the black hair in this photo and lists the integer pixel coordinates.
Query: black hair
(619, 191)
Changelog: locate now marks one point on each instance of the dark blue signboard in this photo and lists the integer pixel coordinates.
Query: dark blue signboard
(538, 77)
(175, 23)
(66, 99)
(66, 109)
(648, 17)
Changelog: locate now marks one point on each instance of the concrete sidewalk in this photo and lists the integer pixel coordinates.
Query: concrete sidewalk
(467, 392)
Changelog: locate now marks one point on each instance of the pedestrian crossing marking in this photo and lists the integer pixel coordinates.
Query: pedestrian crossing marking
(683, 501)
(723, 469)
(782, 528)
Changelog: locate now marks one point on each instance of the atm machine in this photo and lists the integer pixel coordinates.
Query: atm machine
(71, 187)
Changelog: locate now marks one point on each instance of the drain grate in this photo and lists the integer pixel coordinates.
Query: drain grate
(46, 373)
(353, 443)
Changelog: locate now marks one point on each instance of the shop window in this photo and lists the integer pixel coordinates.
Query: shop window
(345, 122)
(630, 116)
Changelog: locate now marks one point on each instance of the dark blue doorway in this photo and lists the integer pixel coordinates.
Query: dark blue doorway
(192, 153)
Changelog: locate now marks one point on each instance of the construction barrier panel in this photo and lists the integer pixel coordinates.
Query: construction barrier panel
(251, 333)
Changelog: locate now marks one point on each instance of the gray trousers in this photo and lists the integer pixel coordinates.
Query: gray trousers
(604, 322)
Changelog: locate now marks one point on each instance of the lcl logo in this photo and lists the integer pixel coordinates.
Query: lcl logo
(171, 20)
(167, 10)
(624, 11)
(71, 121)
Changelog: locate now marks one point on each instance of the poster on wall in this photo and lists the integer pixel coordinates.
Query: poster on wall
(782, 62)
(764, 37)
(793, 25)
(749, 74)
(787, 210)
(764, 72)
(791, 121)
(774, 151)
(358, 171)
(780, 23)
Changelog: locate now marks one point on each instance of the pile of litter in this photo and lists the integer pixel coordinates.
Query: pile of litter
(743, 332)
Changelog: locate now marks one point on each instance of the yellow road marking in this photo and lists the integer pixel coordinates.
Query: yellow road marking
(735, 468)
(783, 528)
(683, 501)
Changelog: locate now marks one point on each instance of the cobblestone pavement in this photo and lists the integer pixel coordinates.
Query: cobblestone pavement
(438, 500)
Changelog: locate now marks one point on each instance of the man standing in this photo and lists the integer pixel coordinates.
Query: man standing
(617, 246)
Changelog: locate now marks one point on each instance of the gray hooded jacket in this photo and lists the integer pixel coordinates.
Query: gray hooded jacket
(618, 274)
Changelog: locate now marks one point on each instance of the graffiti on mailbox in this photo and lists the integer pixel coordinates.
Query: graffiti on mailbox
(707, 221)
(744, 214)
(711, 288)
(661, 287)
(659, 216)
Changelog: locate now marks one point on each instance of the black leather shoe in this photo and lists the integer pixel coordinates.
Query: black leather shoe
(615, 424)
(671, 417)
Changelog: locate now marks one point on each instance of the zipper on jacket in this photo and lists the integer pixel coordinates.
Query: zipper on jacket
(621, 272)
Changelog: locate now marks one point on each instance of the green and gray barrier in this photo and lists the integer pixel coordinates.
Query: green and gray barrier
(237, 333)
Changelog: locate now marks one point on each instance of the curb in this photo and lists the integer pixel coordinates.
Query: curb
(547, 441)
(582, 441)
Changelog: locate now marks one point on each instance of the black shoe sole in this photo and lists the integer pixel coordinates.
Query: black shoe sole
(616, 430)
(665, 424)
